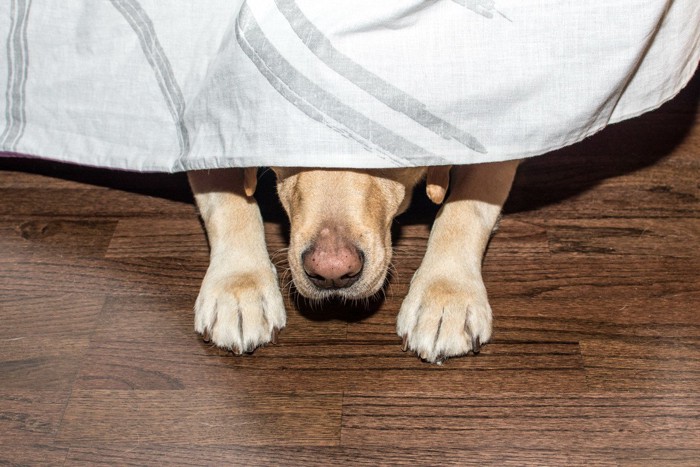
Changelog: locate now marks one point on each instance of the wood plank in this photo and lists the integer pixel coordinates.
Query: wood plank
(53, 274)
(668, 457)
(576, 320)
(91, 202)
(39, 174)
(43, 339)
(41, 362)
(628, 237)
(182, 238)
(573, 276)
(521, 421)
(643, 364)
(614, 173)
(30, 416)
(33, 454)
(29, 236)
(655, 200)
(31, 316)
(29, 421)
(202, 417)
(315, 456)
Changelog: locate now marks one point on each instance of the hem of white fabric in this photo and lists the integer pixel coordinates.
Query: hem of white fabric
(219, 162)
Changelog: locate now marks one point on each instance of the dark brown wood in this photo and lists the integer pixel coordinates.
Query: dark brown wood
(594, 279)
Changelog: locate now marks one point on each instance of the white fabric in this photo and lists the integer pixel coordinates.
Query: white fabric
(172, 85)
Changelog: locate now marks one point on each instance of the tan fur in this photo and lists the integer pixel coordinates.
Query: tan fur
(446, 312)
(250, 180)
(360, 205)
(239, 305)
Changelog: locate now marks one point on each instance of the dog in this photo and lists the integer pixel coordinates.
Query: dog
(340, 246)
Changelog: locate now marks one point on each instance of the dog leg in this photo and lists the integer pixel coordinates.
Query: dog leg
(240, 306)
(446, 312)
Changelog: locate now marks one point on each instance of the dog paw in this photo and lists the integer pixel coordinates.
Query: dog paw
(239, 311)
(444, 318)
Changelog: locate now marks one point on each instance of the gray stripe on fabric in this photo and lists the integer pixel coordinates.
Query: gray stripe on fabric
(142, 25)
(316, 102)
(17, 71)
(372, 84)
(485, 8)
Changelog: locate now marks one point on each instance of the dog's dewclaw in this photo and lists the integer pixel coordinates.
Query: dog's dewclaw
(476, 345)
(436, 193)
(438, 180)
(250, 180)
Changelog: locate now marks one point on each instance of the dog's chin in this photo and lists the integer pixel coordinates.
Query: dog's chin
(361, 290)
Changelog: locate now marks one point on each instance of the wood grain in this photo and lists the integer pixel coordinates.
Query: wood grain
(593, 277)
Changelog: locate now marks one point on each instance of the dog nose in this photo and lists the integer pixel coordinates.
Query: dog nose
(332, 262)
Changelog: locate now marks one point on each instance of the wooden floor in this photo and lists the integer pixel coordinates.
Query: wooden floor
(594, 278)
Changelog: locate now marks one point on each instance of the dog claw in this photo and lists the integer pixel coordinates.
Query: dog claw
(275, 334)
(404, 344)
(206, 337)
(476, 345)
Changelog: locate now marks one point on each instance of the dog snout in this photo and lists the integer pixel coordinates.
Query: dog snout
(332, 262)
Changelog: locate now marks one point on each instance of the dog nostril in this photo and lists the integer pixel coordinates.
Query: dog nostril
(329, 265)
(352, 274)
(320, 281)
(356, 269)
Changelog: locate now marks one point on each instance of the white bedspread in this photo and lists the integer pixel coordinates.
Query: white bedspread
(172, 85)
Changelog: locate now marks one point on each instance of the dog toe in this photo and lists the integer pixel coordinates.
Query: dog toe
(442, 319)
(240, 312)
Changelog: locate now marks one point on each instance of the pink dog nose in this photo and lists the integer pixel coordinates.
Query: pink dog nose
(332, 262)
